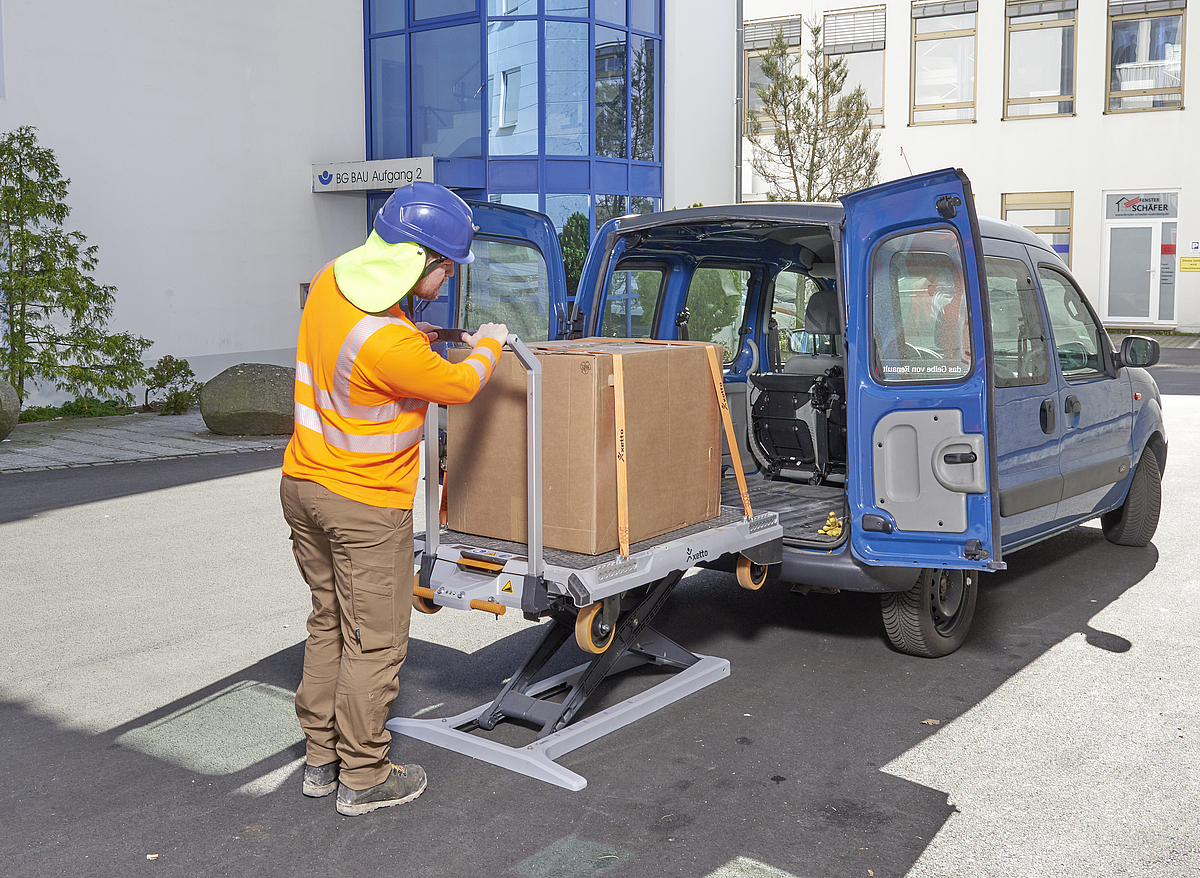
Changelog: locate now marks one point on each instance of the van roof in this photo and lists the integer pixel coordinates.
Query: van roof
(823, 213)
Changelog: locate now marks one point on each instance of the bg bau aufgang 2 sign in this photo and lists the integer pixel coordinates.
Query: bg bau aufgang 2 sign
(364, 176)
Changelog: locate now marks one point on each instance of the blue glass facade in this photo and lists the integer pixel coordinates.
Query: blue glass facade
(548, 104)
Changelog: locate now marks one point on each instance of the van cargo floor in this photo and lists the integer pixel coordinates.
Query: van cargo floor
(802, 509)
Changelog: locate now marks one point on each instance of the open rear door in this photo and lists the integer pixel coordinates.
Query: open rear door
(517, 277)
(920, 406)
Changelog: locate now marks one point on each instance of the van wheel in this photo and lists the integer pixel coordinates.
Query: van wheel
(1133, 523)
(933, 617)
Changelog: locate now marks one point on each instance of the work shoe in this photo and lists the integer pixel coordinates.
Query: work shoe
(404, 784)
(320, 780)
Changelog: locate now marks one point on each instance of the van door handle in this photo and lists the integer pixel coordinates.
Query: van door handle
(1048, 417)
(960, 457)
(1073, 406)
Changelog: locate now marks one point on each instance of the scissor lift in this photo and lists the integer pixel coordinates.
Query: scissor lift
(607, 602)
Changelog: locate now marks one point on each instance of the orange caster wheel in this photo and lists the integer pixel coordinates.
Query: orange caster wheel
(422, 599)
(749, 574)
(591, 633)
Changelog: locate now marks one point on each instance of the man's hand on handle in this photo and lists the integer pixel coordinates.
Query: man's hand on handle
(497, 331)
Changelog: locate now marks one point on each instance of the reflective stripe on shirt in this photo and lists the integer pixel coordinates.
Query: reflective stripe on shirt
(383, 443)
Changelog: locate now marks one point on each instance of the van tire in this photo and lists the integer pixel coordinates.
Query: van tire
(933, 617)
(1134, 522)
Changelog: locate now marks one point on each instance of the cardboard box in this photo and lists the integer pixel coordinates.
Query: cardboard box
(673, 440)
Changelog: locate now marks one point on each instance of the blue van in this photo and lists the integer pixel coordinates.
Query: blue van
(916, 391)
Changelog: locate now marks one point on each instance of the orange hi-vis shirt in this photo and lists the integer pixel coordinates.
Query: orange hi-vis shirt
(363, 384)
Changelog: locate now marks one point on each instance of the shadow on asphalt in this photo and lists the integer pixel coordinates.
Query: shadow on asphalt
(28, 493)
(779, 764)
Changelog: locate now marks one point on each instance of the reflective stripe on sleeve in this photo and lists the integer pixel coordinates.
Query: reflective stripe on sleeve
(480, 368)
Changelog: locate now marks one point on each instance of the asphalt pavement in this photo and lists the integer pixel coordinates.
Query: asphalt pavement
(155, 637)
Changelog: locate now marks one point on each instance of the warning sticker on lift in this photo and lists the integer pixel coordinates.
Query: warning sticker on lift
(507, 587)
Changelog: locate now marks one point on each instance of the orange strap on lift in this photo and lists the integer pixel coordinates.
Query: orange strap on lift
(443, 509)
(622, 462)
(723, 402)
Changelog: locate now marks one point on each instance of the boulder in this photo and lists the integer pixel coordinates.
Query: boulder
(10, 409)
(250, 399)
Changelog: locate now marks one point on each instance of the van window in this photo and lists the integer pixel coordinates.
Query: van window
(715, 300)
(919, 311)
(630, 303)
(1021, 358)
(1076, 333)
(792, 292)
(507, 283)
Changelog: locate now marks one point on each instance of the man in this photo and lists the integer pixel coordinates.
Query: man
(365, 374)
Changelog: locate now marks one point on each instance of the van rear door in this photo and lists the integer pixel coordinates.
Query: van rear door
(920, 411)
(516, 278)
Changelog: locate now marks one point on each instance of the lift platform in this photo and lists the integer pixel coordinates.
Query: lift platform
(606, 601)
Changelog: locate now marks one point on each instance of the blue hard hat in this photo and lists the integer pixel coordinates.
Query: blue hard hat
(428, 214)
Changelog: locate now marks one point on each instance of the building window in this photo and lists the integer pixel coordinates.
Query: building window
(567, 8)
(423, 9)
(611, 11)
(389, 98)
(611, 87)
(858, 38)
(943, 67)
(643, 99)
(513, 87)
(510, 94)
(568, 125)
(1046, 214)
(517, 98)
(1040, 59)
(386, 15)
(447, 105)
(757, 37)
(498, 8)
(644, 16)
(1145, 50)
(608, 207)
(626, 87)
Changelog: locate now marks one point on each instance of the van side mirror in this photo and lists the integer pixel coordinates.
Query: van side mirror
(1137, 350)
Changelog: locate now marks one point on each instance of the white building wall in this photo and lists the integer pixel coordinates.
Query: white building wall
(1087, 154)
(188, 131)
(699, 103)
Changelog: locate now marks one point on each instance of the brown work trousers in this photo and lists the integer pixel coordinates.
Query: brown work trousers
(358, 562)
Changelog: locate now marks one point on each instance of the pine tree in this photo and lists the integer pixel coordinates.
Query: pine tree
(820, 144)
(53, 314)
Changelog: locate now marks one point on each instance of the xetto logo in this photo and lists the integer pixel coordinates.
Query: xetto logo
(324, 178)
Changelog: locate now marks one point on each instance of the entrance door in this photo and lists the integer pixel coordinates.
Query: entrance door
(1131, 272)
(1139, 258)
